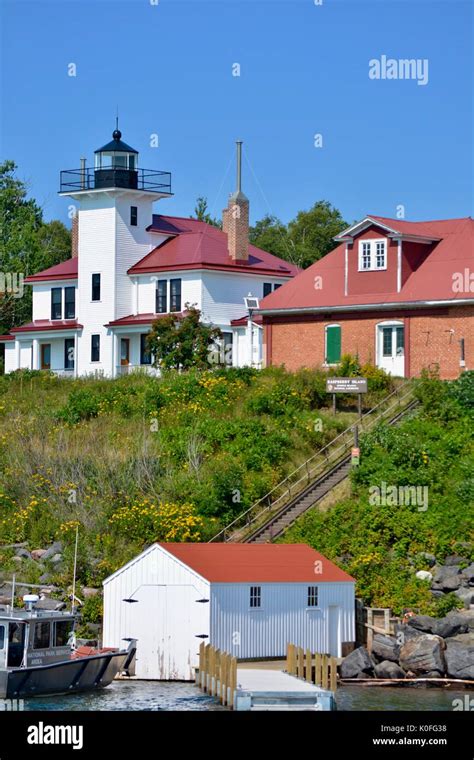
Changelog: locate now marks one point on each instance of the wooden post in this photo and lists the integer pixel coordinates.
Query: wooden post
(300, 663)
(205, 673)
(324, 668)
(333, 677)
(317, 669)
(224, 677)
(309, 666)
(370, 633)
(232, 681)
(217, 662)
(291, 660)
(386, 620)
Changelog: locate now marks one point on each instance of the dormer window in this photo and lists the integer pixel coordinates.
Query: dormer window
(372, 255)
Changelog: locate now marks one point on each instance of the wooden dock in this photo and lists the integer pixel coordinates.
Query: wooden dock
(257, 688)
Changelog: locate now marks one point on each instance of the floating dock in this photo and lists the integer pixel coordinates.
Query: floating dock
(259, 689)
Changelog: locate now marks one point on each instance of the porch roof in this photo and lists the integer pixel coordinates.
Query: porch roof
(43, 325)
(143, 319)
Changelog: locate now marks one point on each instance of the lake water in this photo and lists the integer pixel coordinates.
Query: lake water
(156, 695)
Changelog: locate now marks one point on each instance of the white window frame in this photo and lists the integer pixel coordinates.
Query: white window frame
(316, 596)
(372, 244)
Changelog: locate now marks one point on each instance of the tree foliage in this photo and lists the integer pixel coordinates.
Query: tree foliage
(178, 342)
(202, 214)
(27, 243)
(307, 238)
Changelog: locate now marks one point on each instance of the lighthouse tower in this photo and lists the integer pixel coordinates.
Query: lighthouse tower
(114, 201)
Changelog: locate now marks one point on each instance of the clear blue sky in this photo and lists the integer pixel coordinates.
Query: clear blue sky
(304, 70)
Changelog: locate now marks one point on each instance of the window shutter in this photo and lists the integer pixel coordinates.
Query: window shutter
(333, 344)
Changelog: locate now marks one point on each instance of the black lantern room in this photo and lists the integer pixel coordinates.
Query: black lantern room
(116, 164)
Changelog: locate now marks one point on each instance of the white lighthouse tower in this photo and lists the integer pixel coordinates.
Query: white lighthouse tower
(114, 208)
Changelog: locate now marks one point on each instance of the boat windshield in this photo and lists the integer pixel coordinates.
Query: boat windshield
(16, 644)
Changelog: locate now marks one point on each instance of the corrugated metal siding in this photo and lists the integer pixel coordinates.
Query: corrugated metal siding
(282, 618)
(166, 620)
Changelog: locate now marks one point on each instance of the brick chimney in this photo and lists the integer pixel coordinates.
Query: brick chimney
(75, 236)
(235, 218)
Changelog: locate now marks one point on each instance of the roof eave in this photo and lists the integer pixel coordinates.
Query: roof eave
(368, 307)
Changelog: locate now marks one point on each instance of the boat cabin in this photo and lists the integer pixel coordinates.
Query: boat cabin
(29, 638)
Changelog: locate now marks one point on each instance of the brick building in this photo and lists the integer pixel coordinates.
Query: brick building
(398, 294)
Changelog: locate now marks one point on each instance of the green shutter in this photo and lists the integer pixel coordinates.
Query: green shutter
(333, 344)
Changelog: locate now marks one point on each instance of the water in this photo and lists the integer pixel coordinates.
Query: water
(174, 695)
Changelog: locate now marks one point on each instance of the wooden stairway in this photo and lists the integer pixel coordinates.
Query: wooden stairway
(270, 517)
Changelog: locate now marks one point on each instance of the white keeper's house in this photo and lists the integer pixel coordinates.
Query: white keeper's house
(129, 266)
(249, 600)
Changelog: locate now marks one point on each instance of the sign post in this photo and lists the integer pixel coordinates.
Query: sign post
(355, 385)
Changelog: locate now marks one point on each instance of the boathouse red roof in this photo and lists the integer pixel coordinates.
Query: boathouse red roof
(259, 563)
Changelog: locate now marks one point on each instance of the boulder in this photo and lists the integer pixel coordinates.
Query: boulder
(424, 575)
(45, 577)
(466, 595)
(468, 573)
(404, 632)
(454, 622)
(55, 548)
(430, 559)
(388, 669)
(447, 578)
(357, 664)
(88, 592)
(459, 659)
(423, 623)
(23, 553)
(385, 648)
(423, 655)
(50, 604)
(463, 638)
(454, 559)
(37, 554)
(56, 558)
(16, 559)
(437, 594)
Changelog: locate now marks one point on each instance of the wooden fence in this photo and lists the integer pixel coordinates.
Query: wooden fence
(320, 669)
(217, 674)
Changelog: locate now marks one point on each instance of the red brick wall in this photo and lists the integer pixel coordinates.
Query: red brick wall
(300, 343)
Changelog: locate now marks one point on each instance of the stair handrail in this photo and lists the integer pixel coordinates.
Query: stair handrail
(405, 386)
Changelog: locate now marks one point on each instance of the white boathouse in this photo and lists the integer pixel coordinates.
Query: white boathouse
(247, 599)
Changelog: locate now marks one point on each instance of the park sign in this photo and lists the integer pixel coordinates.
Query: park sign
(346, 385)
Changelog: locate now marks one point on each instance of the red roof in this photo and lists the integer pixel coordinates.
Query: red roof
(257, 563)
(198, 245)
(143, 319)
(66, 270)
(452, 252)
(48, 324)
(4, 338)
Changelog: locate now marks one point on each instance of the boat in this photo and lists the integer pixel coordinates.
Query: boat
(38, 656)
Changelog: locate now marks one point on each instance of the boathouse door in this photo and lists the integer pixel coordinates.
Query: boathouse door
(333, 631)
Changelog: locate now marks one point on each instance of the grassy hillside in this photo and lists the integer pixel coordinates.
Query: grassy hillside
(382, 545)
(139, 459)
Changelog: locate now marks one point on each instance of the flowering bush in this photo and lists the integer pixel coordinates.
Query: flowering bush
(147, 522)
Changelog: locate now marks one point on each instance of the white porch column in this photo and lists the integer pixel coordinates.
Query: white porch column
(115, 354)
(249, 342)
(76, 369)
(35, 358)
(17, 353)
